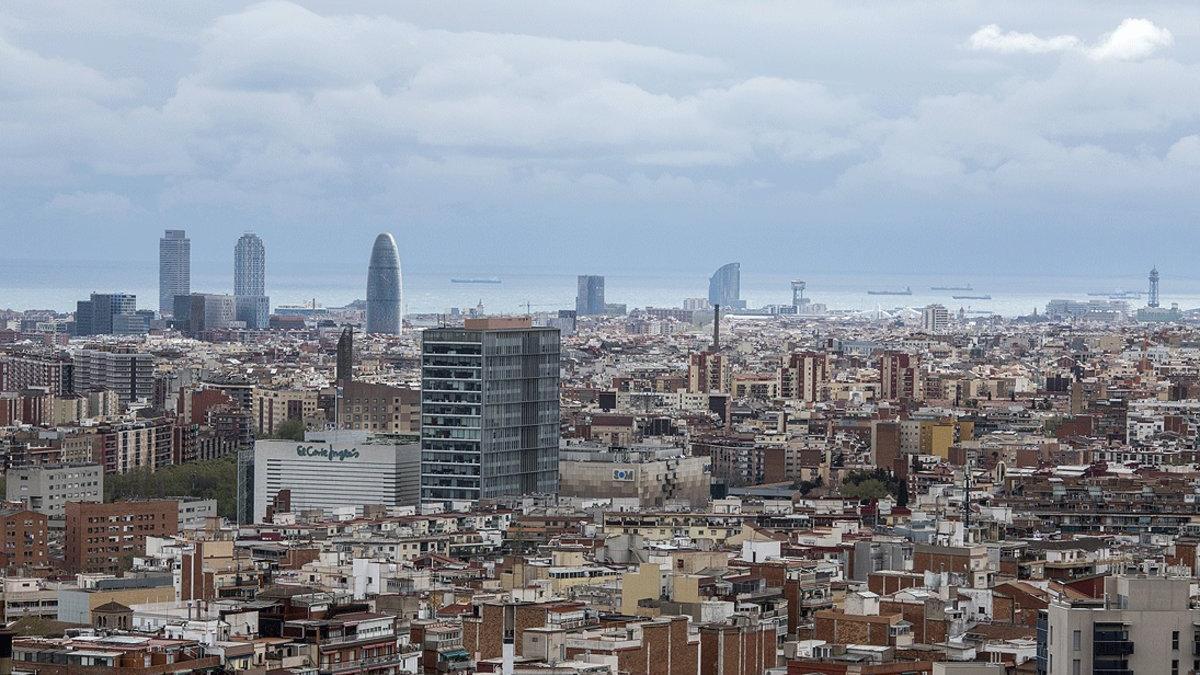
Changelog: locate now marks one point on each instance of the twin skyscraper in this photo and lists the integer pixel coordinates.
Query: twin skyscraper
(251, 304)
(385, 295)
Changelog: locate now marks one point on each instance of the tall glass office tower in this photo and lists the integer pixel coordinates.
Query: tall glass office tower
(174, 268)
(489, 410)
(589, 297)
(384, 292)
(250, 281)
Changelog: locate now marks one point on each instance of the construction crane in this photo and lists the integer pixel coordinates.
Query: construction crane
(530, 305)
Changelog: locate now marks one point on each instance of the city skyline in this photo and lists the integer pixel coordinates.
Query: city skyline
(1073, 127)
(599, 338)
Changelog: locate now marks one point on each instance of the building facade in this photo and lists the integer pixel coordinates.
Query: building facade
(336, 469)
(935, 318)
(1141, 625)
(652, 482)
(24, 539)
(20, 371)
(804, 376)
(379, 408)
(46, 489)
(105, 537)
(142, 444)
(273, 407)
(900, 376)
(174, 268)
(490, 410)
(129, 374)
(249, 281)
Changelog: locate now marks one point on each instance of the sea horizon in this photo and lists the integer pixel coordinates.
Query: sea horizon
(57, 285)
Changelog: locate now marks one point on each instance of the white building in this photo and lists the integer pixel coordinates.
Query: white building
(935, 318)
(46, 489)
(336, 469)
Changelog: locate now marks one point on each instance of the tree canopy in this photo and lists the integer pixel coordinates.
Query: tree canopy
(210, 479)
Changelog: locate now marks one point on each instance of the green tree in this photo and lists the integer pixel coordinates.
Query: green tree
(210, 479)
(866, 484)
(867, 489)
(292, 430)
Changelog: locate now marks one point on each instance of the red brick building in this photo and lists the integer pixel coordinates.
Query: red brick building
(106, 537)
(658, 647)
(744, 647)
(23, 539)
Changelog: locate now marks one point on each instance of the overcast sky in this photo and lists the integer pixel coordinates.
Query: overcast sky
(608, 136)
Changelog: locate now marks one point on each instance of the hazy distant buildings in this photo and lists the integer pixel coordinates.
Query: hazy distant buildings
(1094, 310)
(490, 410)
(725, 287)
(199, 312)
(589, 298)
(99, 314)
(384, 291)
(174, 268)
(249, 281)
(935, 318)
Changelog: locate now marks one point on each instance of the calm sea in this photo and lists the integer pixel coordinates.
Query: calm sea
(27, 284)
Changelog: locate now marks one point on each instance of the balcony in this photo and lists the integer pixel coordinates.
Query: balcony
(1112, 648)
(338, 640)
(363, 665)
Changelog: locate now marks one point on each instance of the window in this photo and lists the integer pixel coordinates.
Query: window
(1174, 666)
(1076, 667)
(1175, 640)
(1076, 637)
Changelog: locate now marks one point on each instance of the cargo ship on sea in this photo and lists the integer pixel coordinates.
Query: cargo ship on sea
(971, 297)
(951, 288)
(906, 291)
(475, 280)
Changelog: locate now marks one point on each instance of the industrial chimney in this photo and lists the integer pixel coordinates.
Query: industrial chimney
(716, 343)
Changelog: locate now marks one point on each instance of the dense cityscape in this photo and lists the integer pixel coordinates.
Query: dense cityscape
(635, 337)
(219, 485)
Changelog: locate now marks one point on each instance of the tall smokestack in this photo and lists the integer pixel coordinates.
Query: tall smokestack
(716, 345)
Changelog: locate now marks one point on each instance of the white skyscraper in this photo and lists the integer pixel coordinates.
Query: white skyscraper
(249, 281)
(174, 268)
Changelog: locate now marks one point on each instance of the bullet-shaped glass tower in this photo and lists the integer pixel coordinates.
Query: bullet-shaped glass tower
(384, 293)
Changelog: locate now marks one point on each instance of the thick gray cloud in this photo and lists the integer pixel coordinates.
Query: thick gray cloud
(629, 135)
